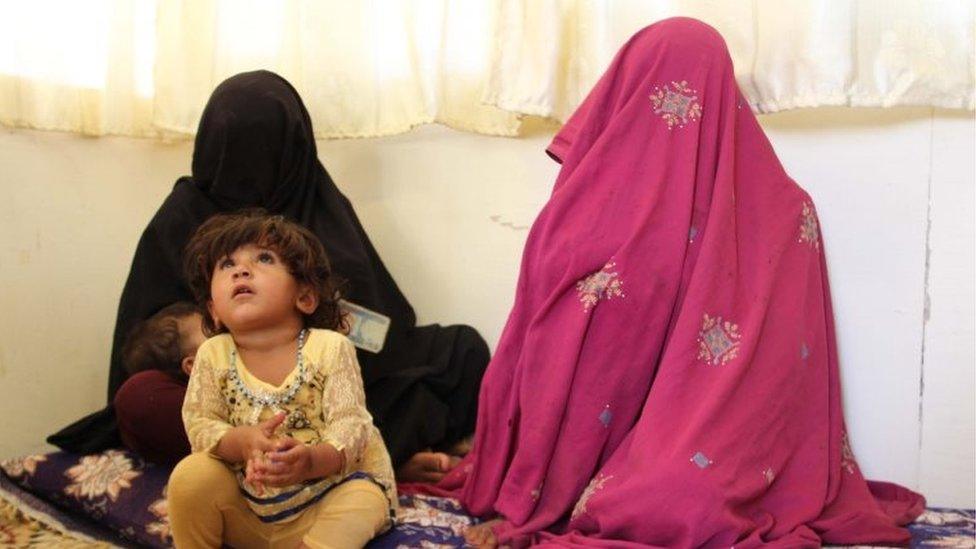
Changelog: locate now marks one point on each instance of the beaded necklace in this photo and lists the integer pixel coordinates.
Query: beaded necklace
(270, 399)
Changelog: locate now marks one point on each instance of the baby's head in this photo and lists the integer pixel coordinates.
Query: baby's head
(251, 271)
(167, 341)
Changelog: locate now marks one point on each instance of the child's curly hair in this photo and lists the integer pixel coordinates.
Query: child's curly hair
(299, 249)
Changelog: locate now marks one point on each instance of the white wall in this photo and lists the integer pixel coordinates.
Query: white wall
(449, 214)
(948, 375)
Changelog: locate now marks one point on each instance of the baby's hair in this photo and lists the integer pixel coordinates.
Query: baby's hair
(155, 343)
(299, 249)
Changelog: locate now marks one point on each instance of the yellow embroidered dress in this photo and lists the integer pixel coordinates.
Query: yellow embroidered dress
(327, 405)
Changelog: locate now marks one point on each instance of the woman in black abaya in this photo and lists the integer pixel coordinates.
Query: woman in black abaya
(255, 148)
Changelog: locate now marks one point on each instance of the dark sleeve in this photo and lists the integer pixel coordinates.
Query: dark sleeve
(156, 277)
(155, 280)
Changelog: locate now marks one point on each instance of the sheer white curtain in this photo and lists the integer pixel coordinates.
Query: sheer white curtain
(787, 53)
(363, 68)
(145, 67)
(378, 67)
(77, 66)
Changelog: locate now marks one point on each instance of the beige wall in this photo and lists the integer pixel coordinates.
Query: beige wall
(449, 214)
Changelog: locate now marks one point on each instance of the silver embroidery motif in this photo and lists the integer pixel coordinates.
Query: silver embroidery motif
(804, 351)
(597, 483)
(606, 415)
(692, 234)
(676, 103)
(701, 460)
(769, 475)
(718, 340)
(808, 227)
(603, 284)
(847, 462)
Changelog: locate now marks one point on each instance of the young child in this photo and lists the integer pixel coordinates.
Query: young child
(285, 452)
(158, 354)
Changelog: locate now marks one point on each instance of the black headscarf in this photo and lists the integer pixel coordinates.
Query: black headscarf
(255, 148)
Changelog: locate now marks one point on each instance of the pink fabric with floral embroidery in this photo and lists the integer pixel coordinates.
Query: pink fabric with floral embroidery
(668, 374)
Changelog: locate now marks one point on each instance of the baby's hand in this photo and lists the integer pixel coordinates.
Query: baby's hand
(289, 463)
(251, 475)
(252, 441)
(257, 441)
(244, 442)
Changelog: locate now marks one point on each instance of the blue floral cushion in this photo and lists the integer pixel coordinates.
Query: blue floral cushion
(117, 489)
(126, 494)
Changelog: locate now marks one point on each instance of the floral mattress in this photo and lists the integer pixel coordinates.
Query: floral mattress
(115, 498)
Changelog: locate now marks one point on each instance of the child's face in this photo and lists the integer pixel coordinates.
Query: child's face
(191, 337)
(253, 289)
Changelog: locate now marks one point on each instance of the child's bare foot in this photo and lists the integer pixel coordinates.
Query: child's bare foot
(425, 467)
(482, 535)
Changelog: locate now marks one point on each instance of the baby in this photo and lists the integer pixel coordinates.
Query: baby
(158, 354)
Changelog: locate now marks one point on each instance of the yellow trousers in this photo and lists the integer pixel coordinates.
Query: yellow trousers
(206, 509)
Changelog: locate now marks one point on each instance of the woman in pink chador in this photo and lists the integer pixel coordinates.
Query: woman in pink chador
(668, 375)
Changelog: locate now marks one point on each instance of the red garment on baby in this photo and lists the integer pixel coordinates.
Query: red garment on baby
(149, 410)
